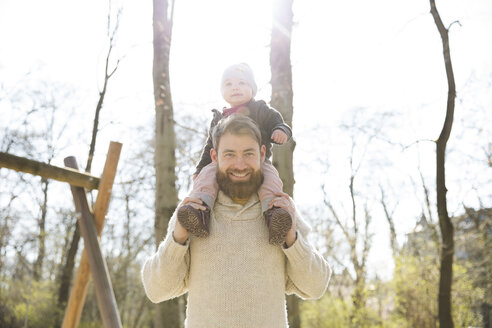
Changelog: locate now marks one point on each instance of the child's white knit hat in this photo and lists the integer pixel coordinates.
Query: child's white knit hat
(242, 71)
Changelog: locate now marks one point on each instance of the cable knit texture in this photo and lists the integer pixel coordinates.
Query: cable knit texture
(234, 277)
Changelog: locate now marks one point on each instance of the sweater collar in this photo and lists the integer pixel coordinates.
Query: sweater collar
(225, 200)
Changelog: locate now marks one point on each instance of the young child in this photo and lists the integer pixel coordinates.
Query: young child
(238, 90)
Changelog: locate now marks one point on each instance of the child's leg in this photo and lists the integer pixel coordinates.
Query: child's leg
(271, 184)
(278, 220)
(205, 185)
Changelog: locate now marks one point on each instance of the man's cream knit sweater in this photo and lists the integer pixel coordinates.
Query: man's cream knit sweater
(234, 277)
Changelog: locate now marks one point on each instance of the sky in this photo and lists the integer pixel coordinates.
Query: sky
(369, 57)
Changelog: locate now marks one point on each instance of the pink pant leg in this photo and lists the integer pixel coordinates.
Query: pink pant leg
(205, 185)
(271, 184)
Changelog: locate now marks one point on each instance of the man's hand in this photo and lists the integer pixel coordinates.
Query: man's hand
(279, 136)
(284, 201)
(180, 234)
(194, 202)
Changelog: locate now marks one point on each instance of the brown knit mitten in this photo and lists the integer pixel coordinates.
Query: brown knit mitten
(279, 223)
(194, 220)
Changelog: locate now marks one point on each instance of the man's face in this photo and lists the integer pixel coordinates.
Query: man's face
(236, 91)
(238, 160)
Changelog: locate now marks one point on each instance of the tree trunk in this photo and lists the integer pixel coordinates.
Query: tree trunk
(167, 313)
(67, 270)
(391, 223)
(281, 100)
(447, 230)
(38, 265)
(102, 95)
(281, 81)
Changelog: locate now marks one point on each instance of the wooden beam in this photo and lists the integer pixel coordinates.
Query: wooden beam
(79, 290)
(102, 283)
(73, 177)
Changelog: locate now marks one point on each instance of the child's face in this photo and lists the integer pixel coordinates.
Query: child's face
(236, 91)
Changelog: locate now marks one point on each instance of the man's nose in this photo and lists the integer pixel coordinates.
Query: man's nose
(240, 163)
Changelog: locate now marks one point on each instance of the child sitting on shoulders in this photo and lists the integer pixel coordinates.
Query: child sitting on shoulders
(238, 90)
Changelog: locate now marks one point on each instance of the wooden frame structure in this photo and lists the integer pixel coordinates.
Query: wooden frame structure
(91, 224)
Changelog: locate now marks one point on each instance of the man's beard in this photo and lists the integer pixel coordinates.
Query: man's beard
(239, 189)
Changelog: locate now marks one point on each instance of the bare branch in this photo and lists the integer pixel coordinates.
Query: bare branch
(417, 142)
(335, 215)
(455, 22)
(187, 127)
(114, 70)
(102, 93)
(427, 197)
(354, 208)
(389, 218)
(367, 237)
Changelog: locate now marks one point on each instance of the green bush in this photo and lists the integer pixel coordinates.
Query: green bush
(326, 312)
(39, 303)
(416, 285)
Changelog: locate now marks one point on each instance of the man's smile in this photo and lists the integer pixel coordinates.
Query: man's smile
(239, 175)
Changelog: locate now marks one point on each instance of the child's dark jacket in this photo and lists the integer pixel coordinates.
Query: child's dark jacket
(267, 119)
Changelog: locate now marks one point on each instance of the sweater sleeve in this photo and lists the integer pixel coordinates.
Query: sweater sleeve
(165, 273)
(308, 273)
(273, 120)
(205, 157)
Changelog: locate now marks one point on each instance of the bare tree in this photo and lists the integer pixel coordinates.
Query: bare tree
(38, 264)
(357, 235)
(30, 197)
(353, 217)
(447, 229)
(5, 229)
(281, 81)
(132, 238)
(112, 31)
(473, 236)
(391, 222)
(427, 211)
(282, 95)
(49, 153)
(166, 197)
(68, 267)
(41, 103)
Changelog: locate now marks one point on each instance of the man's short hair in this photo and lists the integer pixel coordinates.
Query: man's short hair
(236, 124)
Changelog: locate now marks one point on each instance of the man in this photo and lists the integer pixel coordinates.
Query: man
(235, 277)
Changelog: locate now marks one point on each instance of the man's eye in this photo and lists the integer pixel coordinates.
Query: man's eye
(242, 83)
(250, 154)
